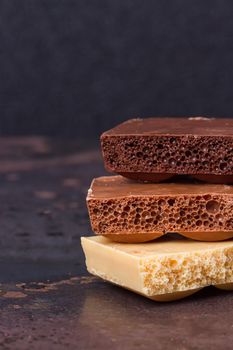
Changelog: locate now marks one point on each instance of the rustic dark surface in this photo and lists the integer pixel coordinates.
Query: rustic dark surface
(48, 301)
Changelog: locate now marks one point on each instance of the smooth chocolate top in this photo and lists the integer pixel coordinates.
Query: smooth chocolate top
(200, 126)
(118, 186)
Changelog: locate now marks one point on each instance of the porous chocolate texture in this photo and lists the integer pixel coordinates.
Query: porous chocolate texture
(156, 149)
(124, 209)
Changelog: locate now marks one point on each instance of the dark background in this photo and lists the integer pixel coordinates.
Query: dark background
(72, 68)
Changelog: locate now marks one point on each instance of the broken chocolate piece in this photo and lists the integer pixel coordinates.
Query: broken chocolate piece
(128, 211)
(155, 149)
(163, 271)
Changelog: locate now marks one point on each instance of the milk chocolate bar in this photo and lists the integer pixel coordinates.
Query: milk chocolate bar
(156, 149)
(162, 271)
(128, 211)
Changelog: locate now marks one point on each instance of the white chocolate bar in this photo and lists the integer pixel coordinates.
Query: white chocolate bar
(163, 270)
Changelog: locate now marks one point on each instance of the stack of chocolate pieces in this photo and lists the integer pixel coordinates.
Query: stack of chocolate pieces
(174, 176)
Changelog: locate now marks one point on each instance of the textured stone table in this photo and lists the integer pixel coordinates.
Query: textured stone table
(48, 301)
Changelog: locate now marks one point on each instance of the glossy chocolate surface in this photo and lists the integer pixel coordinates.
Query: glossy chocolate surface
(199, 126)
(117, 186)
